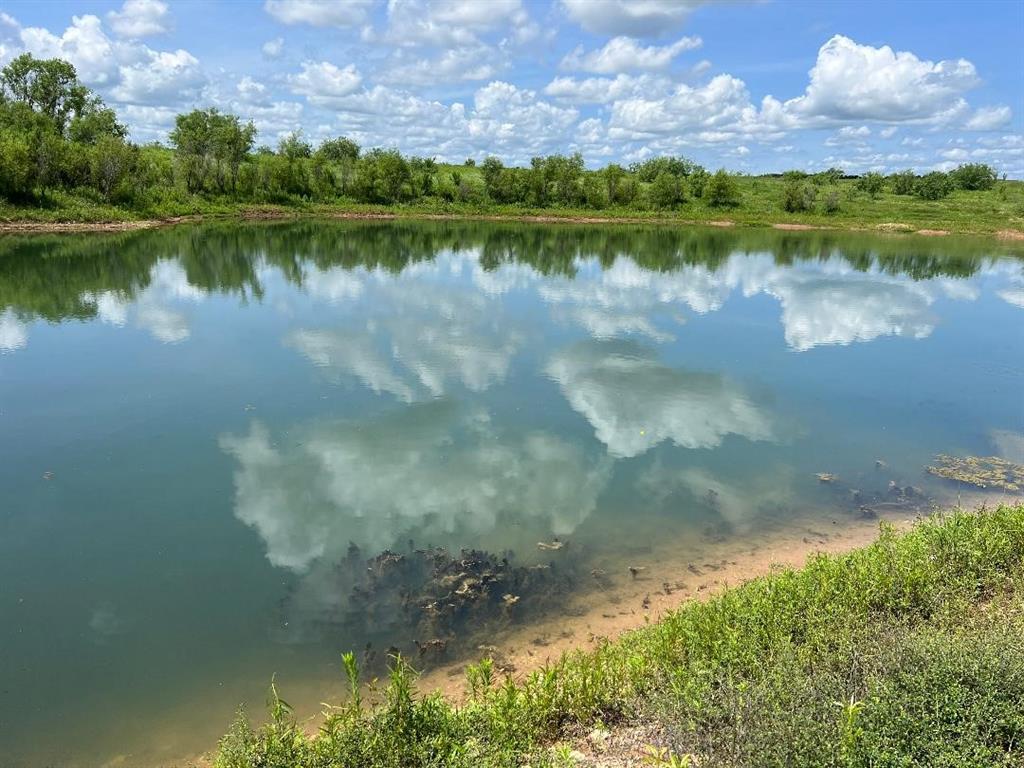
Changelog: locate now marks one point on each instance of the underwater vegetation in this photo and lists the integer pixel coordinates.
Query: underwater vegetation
(980, 471)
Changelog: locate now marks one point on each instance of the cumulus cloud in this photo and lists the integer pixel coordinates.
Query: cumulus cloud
(319, 13)
(634, 402)
(454, 23)
(623, 54)
(160, 77)
(140, 18)
(433, 472)
(325, 83)
(850, 81)
(989, 118)
(645, 18)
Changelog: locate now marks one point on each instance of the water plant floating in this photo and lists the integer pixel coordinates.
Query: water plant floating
(980, 471)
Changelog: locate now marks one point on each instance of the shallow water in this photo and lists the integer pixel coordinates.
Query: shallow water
(197, 423)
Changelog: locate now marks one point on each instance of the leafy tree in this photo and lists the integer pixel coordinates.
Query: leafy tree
(649, 170)
(47, 86)
(666, 191)
(721, 190)
(974, 176)
(798, 197)
(339, 150)
(192, 138)
(17, 170)
(933, 186)
(872, 183)
(231, 143)
(613, 175)
(113, 162)
(594, 191)
(383, 176)
(903, 182)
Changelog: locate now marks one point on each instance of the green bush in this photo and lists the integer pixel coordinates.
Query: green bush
(903, 182)
(933, 186)
(872, 183)
(721, 190)
(974, 176)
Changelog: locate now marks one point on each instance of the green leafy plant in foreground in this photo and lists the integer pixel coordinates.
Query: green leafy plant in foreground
(906, 652)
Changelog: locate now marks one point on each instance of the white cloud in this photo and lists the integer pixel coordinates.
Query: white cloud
(623, 54)
(160, 78)
(888, 133)
(454, 64)
(850, 81)
(635, 402)
(454, 23)
(989, 118)
(640, 18)
(140, 18)
(84, 44)
(319, 13)
(273, 49)
(325, 83)
(603, 90)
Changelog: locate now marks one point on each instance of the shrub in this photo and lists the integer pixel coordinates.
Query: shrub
(903, 182)
(831, 203)
(933, 186)
(974, 176)
(666, 191)
(798, 198)
(872, 183)
(721, 190)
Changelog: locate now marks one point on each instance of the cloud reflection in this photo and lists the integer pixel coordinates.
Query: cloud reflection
(634, 402)
(430, 471)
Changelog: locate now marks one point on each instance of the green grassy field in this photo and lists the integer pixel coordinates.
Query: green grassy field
(908, 652)
(983, 212)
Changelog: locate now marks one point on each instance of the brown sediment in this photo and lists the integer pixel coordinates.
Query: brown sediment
(894, 226)
(795, 227)
(1010, 234)
(31, 227)
(932, 232)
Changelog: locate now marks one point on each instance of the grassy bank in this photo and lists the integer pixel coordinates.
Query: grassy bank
(907, 652)
(761, 204)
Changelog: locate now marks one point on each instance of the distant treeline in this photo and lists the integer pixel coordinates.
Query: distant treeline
(55, 134)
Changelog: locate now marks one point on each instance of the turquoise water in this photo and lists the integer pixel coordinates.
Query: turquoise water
(197, 423)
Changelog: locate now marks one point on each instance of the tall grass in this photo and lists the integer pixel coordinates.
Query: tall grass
(856, 659)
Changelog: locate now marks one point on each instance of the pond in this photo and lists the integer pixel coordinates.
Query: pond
(229, 451)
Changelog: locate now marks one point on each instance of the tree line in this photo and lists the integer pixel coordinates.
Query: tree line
(58, 136)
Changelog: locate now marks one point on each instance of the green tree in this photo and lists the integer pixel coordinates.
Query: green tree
(903, 182)
(383, 176)
(872, 183)
(974, 176)
(47, 86)
(17, 170)
(231, 144)
(665, 191)
(933, 186)
(113, 163)
(339, 150)
(721, 190)
(192, 138)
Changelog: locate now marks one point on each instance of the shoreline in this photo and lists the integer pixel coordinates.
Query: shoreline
(29, 226)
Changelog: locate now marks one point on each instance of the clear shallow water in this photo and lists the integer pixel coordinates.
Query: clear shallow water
(196, 423)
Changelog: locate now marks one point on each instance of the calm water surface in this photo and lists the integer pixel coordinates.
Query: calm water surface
(197, 423)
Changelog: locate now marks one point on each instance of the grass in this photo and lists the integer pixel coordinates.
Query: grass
(904, 653)
(982, 212)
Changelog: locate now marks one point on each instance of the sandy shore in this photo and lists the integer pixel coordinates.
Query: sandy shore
(32, 227)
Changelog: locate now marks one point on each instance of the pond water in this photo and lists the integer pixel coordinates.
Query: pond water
(206, 432)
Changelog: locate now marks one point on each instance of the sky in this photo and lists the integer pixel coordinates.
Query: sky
(761, 86)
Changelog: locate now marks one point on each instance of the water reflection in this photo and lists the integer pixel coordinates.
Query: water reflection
(634, 402)
(434, 472)
(626, 389)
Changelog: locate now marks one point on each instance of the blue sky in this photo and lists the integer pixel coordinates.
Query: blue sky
(753, 86)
